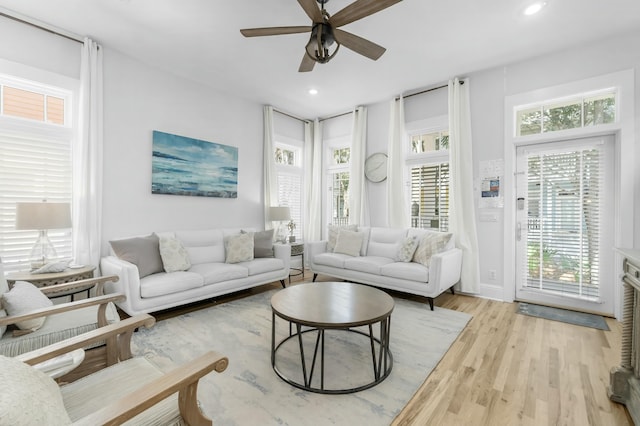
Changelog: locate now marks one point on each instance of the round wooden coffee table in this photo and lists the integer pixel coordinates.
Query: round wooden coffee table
(333, 306)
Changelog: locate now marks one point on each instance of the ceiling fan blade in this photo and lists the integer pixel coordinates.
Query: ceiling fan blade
(307, 63)
(358, 44)
(358, 10)
(311, 9)
(269, 31)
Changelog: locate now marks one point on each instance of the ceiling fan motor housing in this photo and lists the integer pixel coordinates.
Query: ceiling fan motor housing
(321, 40)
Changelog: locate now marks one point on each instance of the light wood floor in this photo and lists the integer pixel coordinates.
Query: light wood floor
(505, 369)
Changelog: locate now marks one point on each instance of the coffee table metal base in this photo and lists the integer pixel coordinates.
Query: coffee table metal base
(381, 357)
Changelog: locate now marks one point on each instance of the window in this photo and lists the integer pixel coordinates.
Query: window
(338, 180)
(35, 162)
(288, 158)
(575, 112)
(428, 166)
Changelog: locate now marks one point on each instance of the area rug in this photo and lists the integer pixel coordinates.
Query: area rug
(563, 315)
(250, 393)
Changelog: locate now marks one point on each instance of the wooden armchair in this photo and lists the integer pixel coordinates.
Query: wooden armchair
(134, 390)
(63, 320)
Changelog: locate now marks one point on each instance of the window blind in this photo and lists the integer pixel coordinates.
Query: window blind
(563, 230)
(430, 196)
(290, 195)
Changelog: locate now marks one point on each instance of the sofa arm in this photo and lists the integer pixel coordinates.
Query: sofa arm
(129, 277)
(314, 248)
(445, 268)
(283, 251)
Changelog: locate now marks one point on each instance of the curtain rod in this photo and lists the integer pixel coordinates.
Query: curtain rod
(335, 116)
(426, 91)
(290, 115)
(40, 25)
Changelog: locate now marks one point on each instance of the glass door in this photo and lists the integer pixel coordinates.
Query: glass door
(565, 225)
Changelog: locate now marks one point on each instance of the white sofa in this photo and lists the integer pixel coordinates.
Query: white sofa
(207, 276)
(375, 263)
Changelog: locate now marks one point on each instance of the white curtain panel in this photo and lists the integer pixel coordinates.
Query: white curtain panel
(462, 219)
(270, 176)
(358, 199)
(87, 159)
(397, 215)
(313, 187)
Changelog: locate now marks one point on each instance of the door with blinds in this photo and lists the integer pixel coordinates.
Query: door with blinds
(565, 224)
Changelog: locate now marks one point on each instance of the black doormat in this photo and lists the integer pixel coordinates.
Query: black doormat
(563, 315)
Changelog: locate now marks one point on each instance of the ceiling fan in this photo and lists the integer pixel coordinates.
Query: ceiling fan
(325, 32)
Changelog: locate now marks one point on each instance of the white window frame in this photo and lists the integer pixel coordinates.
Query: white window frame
(429, 158)
(296, 170)
(17, 246)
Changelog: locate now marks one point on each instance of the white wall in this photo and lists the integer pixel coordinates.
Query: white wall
(488, 89)
(140, 99)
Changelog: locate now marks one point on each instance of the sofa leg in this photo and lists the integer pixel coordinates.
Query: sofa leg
(452, 290)
(283, 285)
(430, 302)
(314, 277)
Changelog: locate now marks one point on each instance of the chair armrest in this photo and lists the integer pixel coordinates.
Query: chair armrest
(69, 306)
(283, 251)
(183, 379)
(445, 268)
(98, 282)
(128, 277)
(122, 330)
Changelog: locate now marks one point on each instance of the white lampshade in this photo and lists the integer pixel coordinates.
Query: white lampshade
(43, 215)
(278, 214)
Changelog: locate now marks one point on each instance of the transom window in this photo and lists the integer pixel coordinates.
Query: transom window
(288, 158)
(33, 102)
(338, 182)
(428, 142)
(575, 112)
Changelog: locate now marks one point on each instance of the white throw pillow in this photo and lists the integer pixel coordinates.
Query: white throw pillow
(406, 249)
(29, 397)
(239, 248)
(430, 244)
(333, 234)
(174, 255)
(348, 242)
(23, 298)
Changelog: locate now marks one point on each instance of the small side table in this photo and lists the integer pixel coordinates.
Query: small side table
(66, 276)
(297, 249)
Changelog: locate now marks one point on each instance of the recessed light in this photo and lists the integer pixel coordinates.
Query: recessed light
(313, 91)
(534, 8)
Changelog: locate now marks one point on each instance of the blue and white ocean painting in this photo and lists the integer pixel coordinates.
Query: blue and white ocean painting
(186, 166)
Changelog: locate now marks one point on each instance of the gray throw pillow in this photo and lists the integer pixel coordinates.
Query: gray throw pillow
(263, 243)
(144, 252)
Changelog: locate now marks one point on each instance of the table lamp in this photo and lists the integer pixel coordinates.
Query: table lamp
(42, 216)
(280, 214)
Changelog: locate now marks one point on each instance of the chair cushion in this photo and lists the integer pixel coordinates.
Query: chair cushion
(262, 265)
(92, 392)
(29, 396)
(407, 271)
(384, 241)
(23, 298)
(203, 246)
(369, 264)
(331, 259)
(56, 328)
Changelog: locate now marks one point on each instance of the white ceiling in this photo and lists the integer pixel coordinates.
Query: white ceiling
(427, 42)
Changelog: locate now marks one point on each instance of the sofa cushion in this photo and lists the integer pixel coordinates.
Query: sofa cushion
(217, 272)
(348, 242)
(406, 271)
(331, 259)
(384, 242)
(173, 254)
(203, 246)
(369, 264)
(168, 283)
(430, 244)
(144, 252)
(239, 248)
(23, 298)
(406, 249)
(333, 234)
(262, 265)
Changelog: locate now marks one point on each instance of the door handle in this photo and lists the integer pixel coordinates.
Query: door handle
(519, 231)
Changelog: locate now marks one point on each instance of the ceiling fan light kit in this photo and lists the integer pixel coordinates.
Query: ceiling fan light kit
(325, 33)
